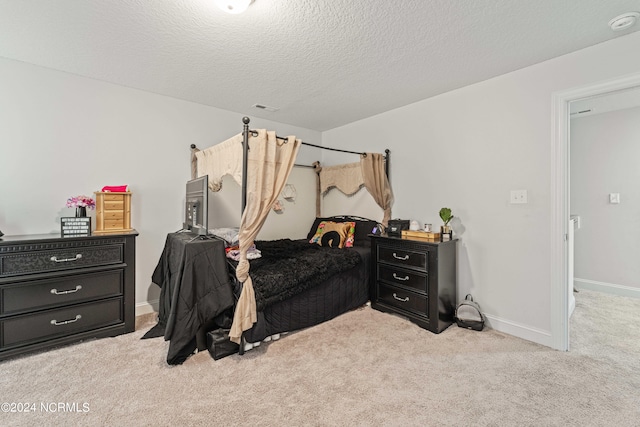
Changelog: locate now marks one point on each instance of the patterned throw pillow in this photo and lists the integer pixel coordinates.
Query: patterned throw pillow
(334, 234)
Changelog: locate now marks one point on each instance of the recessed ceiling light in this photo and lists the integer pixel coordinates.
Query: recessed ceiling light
(624, 21)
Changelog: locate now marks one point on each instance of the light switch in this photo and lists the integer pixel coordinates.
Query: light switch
(614, 198)
(518, 196)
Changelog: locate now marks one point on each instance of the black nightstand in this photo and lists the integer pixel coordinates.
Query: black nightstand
(416, 279)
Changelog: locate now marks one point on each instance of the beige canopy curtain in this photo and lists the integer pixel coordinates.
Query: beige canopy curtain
(194, 161)
(350, 177)
(347, 178)
(377, 183)
(269, 164)
(219, 160)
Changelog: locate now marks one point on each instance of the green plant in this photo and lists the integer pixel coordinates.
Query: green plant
(445, 215)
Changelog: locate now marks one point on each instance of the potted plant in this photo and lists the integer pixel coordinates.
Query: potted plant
(445, 229)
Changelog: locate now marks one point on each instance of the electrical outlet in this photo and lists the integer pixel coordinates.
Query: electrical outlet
(518, 196)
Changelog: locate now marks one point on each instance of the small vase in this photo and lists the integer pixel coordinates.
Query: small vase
(445, 233)
(81, 211)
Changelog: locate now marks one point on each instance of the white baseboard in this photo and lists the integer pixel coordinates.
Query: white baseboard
(608, 288)
(146, 307)
(521, 331)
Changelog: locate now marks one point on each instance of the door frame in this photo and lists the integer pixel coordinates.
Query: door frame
(560, 192)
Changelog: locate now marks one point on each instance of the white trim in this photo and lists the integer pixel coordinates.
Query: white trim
(559, 213)
(572, 305)
(560, 198)
(146, 307)
(607, 288)
(521, 331)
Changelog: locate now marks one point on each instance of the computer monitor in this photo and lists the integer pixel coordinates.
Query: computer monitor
(196, 218)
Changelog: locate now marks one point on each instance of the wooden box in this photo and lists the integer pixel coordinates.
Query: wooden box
(113, 212)
(427, 236)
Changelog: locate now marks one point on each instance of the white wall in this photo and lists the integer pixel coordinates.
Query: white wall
(293, 222)
(466, 150)
(62, 135)
(605, 153)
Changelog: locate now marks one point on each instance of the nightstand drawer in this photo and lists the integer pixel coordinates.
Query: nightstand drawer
(405, 300)
(32, 295)
(403, 257)
(52, 324)
(60, 259)
(398, 276)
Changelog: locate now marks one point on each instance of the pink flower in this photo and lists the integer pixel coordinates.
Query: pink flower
(81, 201)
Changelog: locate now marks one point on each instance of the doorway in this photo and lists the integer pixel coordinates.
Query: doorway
(560, 191)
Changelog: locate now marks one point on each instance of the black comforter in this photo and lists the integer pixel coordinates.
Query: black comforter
(289, 267)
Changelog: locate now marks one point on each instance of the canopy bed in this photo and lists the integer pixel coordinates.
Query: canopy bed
(294, 283)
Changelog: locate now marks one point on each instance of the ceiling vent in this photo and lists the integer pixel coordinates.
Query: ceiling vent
(265, 107)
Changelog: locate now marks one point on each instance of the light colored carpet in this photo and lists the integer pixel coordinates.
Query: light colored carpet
(364, 368)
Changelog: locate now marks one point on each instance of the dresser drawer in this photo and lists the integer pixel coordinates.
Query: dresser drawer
(113, 197)
(60, 259)
(402, 277)
(405, 300)
(114, 205)
(403, 257)
(113, 224)
(113, 215)
(39, 294)
(50, 324)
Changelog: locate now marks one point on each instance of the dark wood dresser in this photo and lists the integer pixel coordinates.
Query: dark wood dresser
(416, 279)
(56, 290)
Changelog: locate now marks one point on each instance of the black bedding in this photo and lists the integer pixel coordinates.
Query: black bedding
(196, 289)
(331, 297)
(289, 267)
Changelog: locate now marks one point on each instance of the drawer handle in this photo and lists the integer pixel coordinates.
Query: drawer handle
(401, 258)
(55, 258)
(405, 299)
(400, 278)
(65, 322)
(70, 291)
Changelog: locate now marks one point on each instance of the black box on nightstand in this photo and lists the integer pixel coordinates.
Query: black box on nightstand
(396, 226)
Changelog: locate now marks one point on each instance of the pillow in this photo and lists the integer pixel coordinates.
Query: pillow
(363, 227)
(228, 234)
(334, 234)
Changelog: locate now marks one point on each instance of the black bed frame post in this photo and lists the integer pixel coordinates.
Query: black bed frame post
(387, 156)
(245, 157)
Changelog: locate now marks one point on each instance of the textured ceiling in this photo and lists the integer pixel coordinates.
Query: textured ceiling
(323, 63)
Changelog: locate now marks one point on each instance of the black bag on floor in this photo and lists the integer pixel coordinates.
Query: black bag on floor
(468, 314)
(219, 344)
